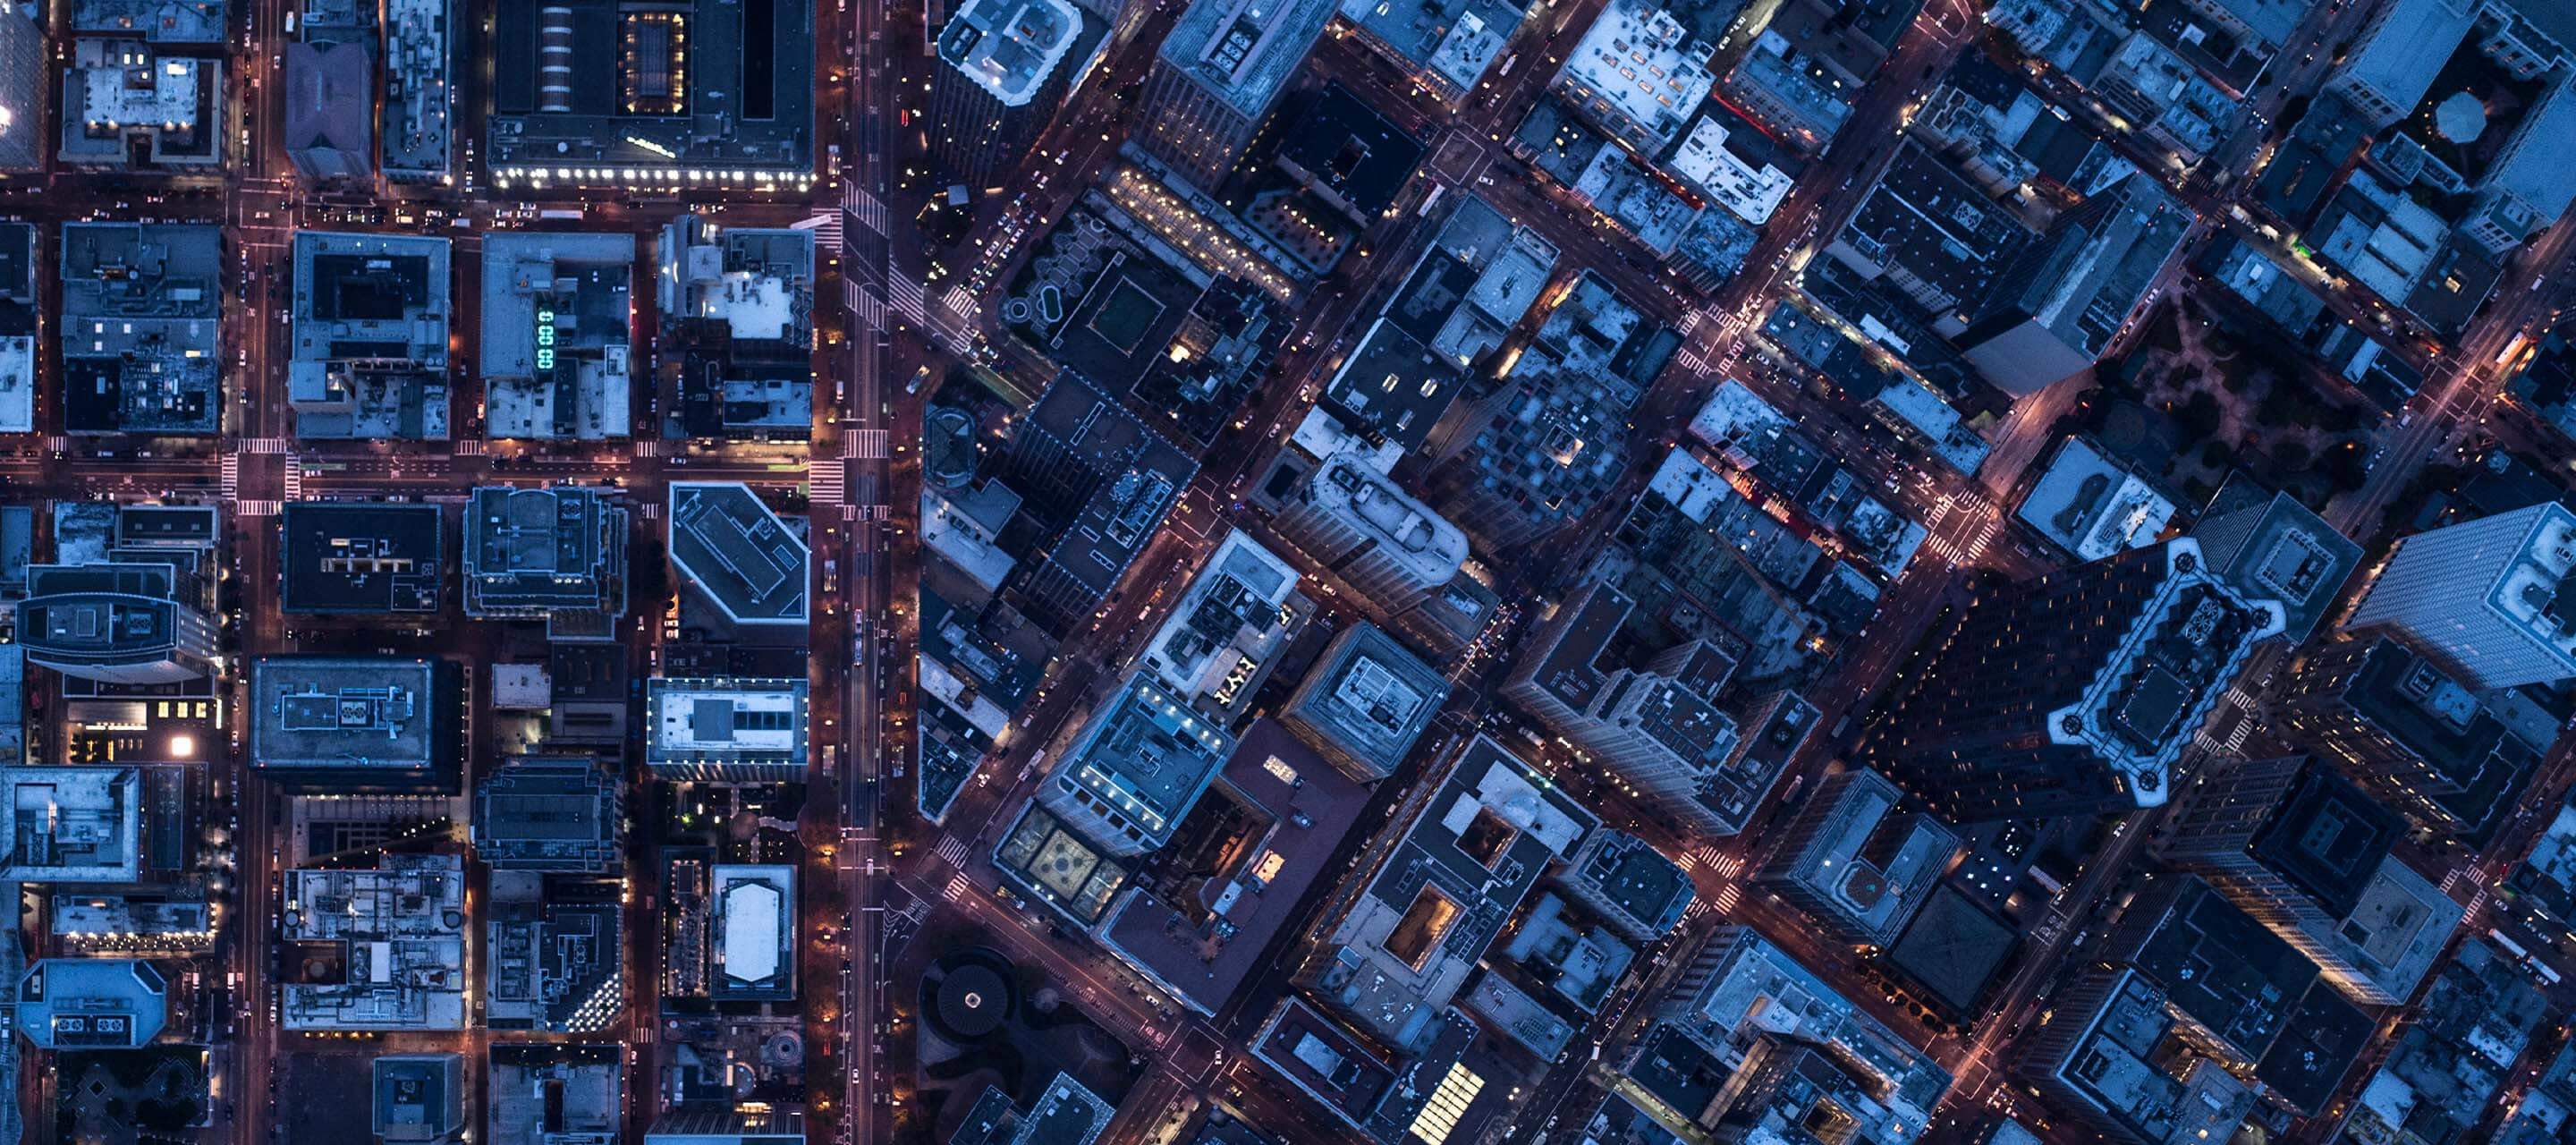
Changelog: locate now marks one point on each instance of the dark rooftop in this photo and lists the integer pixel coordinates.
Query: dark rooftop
(362, 557)
(1206, 946)
(1953, 948)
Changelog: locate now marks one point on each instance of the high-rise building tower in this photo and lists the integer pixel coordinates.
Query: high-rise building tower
(2309, 854)
(1656, 726)
(1005, 67)
(2072, 693)
(2066, 298)
(1857, 860)
(2494, 599)
(1216, 76)
(2410, 732)
(1371, 534)
(123, 622)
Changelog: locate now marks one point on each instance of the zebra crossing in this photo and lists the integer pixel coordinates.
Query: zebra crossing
(294, 478)
(469, 447)
(823, 483)
(267, 445)
(905, 295)
(866, 208)
(232, 476)
(952, 850)
(1696, 361)
(868, 444)
(826, 226)
(958, 302)
(257, 509)
(864, 303)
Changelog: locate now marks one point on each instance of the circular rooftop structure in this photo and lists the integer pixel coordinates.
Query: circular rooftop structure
(2462, 118)
(972, 996)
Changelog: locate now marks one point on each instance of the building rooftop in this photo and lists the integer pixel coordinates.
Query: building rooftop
(362, 557)
(550, 1094)
(91, 1003)
(419, 1097)
(755, 930)
(1440, 893)
(155, 21)
(555, 956)
(391, 941)
(2181, 651)
(557, 552)
(2093, 506)
(72, 824)
(369, 336)
(1448, 44)
(1010, 47)
(128, 107)
(747, 561)
(697, 723)
(1243, 51)
(1954, 948)
(1430, 548)
(116, 620)
(1856, 857)
(1394, 386)
(1339, 143)
(2278, 548)
(1228, 627)
(2473, 1024)
(550, 814)
(1645, 893)
(1145, 755)
(1367, 698)
(1756, 989)
(2112, 1064)
(557, 315)
(330, 107)
(2477, 763)
(2218, 967)
(416, 136)
(1578, 963)
(1204, 946)
(141, 327)
(1942, 236)
(354, 718)
(728, 98)
(1639, 72)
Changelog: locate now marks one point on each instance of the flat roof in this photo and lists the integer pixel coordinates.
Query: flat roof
(1368, 696)
(1009, 47)
(334, 712)
(72, 824)
(92, 1003)
(717, 719)
(371, 295)
(541, 550)
(710, 92)
(362, 557)
(744, 558)
(1442, 892)
(1204, 950)
(755, 907)
(1953, 947)
(2218, 965)
(1146, 753)
(1243, 51)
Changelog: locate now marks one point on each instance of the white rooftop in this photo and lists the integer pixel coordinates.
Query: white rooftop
(1640, 61)
(1750, 193)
